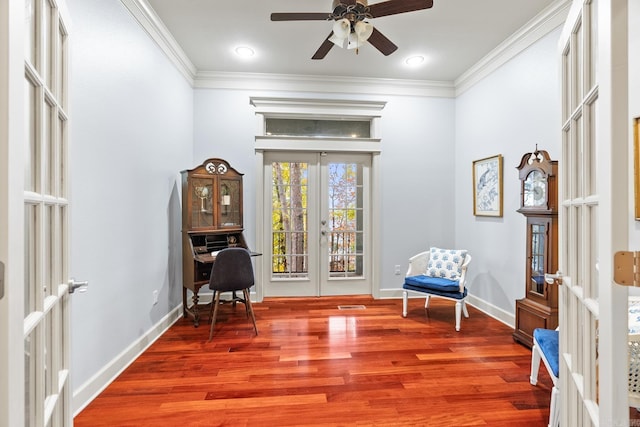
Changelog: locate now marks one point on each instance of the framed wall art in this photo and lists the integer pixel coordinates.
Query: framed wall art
(487, 186)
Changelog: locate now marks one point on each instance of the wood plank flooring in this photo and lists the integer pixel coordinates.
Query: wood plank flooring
(313, 364)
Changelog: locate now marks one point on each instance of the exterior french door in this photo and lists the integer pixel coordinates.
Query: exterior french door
(34, 331)
(317, 242)
(592, 309)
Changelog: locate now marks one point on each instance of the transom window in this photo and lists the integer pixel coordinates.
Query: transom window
(318, 128)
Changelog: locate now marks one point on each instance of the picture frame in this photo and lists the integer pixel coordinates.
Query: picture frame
(636, 166)
(487, 186)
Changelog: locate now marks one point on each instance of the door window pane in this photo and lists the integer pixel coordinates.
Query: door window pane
(47, 147)
(60, 170)
(49, 251)
(47, 51)
(345, 220)
(289, 220)
(32, 153)
(30, 27)
(60, 61)
(30, 378)
(30, 242)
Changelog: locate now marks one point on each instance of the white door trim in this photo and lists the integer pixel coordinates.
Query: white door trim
(318, 108)
(613, 135)
(11, 212)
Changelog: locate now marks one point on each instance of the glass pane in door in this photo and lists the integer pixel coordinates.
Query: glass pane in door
(289, 220)
(345, 223)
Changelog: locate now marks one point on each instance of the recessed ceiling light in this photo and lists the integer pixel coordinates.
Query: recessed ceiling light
(413, 61)
(245, 51)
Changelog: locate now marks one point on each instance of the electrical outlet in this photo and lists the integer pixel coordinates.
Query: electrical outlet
(155, 297)
(397, 270)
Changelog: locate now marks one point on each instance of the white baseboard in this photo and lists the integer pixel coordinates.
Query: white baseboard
(491, 310)
(94, 386)
(482, 305)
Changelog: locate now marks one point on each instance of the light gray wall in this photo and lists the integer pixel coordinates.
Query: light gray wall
(508, 113)
(131, 132)
(417, 162)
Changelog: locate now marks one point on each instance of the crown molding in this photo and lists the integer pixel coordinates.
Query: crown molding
(323, 84)
(545, 22)
(153, 25)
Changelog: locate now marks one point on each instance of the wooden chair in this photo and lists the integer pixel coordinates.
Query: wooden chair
(545, 348)
(232, 271)
(438, 273)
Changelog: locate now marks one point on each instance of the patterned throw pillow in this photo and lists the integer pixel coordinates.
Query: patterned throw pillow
(446, 263)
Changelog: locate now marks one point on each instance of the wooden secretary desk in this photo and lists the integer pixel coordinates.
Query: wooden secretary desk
(211, 221)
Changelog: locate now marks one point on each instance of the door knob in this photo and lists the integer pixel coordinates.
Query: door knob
(79, 286)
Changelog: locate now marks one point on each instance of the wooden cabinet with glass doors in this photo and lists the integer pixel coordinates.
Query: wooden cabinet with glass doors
(211, 221)
(539, 307)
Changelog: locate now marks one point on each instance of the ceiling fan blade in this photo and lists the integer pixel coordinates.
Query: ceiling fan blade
(382, 43)
(324, 48)
(392, 7)
(301, 16)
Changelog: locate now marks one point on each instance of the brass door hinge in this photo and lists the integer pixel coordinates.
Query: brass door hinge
(626, 268)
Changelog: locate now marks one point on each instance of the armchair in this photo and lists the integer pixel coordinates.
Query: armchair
(438, 273)
(546, 349)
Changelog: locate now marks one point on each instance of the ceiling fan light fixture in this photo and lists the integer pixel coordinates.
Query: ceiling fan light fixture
(337, 40)
(363, 30)
(341, 31)
(349, 14)
(354, 42)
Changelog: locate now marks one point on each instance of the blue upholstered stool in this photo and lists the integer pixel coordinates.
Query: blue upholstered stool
(546, 347)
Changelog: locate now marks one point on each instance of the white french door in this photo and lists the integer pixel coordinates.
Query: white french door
(593, 215)
(34, 340)
(317, 239)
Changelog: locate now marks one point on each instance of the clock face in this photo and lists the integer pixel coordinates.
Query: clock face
(535, 189)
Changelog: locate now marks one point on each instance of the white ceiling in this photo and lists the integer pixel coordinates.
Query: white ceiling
(453, 35)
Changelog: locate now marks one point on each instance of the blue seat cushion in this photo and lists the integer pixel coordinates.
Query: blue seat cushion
(547, 341)
(430, 282)
(434, 285)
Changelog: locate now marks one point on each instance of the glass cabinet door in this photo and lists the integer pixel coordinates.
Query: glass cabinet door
(230, 202)
(538, 257)
(201, 196)
(538, 234)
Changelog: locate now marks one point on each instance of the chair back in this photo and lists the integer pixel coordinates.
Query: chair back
(232, 270)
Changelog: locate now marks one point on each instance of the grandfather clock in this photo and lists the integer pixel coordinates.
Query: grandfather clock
(539, 204)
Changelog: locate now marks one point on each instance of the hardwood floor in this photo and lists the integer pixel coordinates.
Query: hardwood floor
(314, 364)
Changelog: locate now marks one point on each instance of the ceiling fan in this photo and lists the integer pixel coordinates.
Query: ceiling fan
(351, 28)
